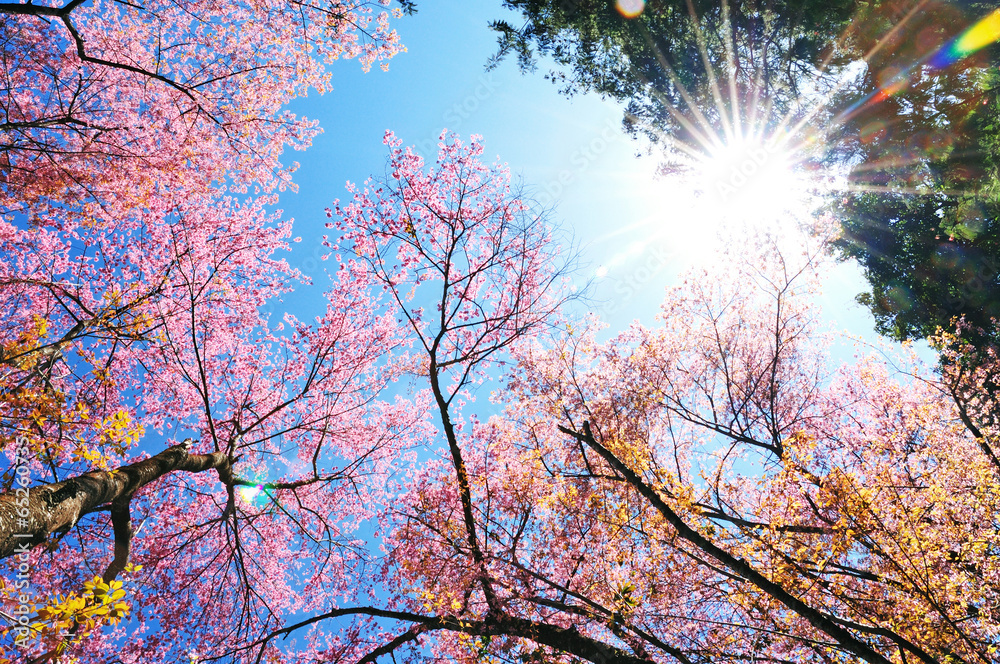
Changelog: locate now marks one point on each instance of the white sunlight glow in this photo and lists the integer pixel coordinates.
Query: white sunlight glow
(750, 180)
(249, 494)
(738, 164)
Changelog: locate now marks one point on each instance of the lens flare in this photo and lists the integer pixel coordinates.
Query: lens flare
(250, 494)
(983, 33)
(630, 8)
(980, 35)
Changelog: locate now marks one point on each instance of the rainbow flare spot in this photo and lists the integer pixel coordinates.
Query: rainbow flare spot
(630, 8)
(250, 493)
(980, 35)
(983, 33)
(891, 89)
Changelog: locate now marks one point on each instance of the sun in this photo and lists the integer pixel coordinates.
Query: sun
(752, 179)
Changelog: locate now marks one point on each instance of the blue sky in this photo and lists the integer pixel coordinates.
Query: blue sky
(569, 151)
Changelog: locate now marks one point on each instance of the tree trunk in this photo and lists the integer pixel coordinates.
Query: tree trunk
(29, 516)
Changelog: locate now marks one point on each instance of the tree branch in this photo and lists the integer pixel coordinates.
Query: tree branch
(567, 640)
(816, 618)
(29, 518)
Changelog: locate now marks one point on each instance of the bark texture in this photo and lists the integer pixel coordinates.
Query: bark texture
(57, 507)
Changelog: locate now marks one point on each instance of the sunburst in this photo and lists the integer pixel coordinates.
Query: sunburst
(745, 163)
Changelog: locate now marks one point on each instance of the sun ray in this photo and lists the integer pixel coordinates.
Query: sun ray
(713, 83)
(781, 155)
(880, 44)
(692, 105)
(677, 115)
(984, 32)
(754, 104)
(825, 100)
(912, 191)
(727, 35)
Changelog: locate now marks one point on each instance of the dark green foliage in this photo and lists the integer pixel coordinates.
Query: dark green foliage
(922, 214)
(408, 6)
(928, 260)
(653, 61)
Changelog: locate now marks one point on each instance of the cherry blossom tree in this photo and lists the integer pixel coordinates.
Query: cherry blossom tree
(138, 143)
(285, 419)
(705, 491)
(290, 436)
(139, 153)
(108, 105)
(136, 140)
(757, 506)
